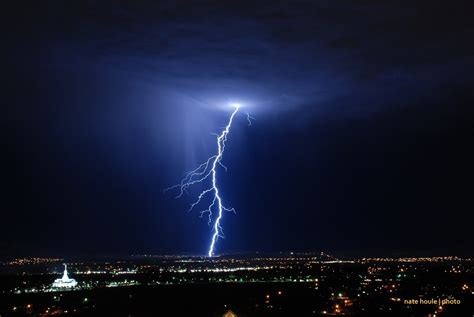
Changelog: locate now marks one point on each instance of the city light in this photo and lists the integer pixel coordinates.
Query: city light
(357, 292)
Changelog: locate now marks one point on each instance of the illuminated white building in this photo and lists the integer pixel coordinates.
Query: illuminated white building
(65, 281)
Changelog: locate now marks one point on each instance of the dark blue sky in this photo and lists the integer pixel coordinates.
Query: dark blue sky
(360, 144)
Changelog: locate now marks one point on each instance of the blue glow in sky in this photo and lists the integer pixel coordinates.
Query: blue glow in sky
(359, 106)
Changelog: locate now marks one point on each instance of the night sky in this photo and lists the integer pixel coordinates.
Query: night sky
(360, 144)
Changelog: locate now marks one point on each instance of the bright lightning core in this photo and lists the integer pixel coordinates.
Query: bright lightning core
(203, 172)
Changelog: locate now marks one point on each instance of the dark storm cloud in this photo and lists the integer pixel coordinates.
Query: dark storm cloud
(357, 104)
(272, 55)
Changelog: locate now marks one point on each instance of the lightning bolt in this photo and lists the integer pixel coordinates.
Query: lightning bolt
(249, 119)
(203, 172)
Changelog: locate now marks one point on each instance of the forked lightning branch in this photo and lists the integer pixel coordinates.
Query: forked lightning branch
(207, 173)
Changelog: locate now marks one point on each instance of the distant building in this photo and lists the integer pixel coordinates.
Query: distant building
(65, 281)
(229, 313)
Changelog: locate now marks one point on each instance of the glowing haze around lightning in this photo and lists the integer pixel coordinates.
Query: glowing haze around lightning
(204, 172)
